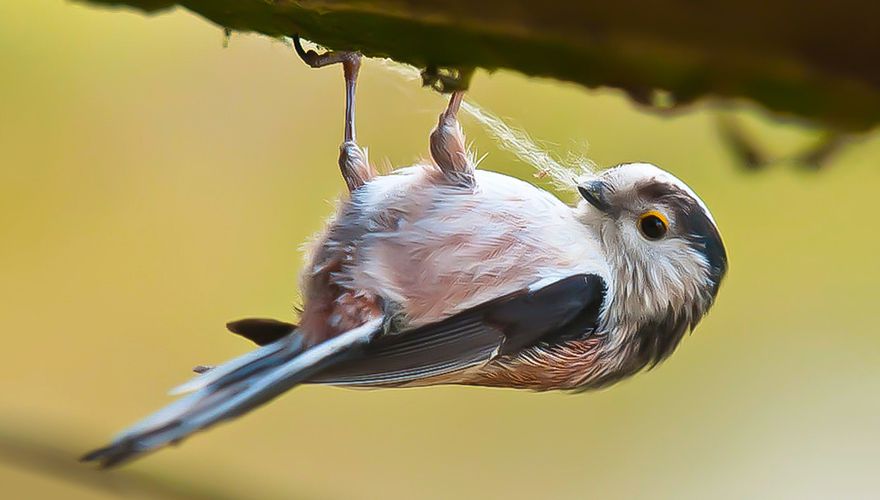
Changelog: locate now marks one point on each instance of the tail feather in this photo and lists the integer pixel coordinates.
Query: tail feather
(231, 390)
(250, 361)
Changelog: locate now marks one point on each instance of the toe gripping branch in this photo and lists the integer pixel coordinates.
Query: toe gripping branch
(353, 162)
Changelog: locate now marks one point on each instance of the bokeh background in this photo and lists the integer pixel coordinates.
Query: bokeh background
(155, 184)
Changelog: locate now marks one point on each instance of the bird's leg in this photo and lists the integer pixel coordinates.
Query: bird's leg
(356, 169)
(447, 144)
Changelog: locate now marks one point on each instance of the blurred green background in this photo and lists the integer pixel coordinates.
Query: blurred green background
(154, 184)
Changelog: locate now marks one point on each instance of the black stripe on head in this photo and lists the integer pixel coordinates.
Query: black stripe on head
(705, 237)
(694, 224)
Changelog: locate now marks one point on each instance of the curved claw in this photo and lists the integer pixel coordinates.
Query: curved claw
(447, 80)
(317, 60)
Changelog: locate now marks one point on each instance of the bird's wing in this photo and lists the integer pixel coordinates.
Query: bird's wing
(366, 355)
(545, 312)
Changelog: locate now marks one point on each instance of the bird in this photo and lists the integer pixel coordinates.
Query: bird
(442, 273)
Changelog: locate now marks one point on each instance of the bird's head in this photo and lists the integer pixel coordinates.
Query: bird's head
(664, 250)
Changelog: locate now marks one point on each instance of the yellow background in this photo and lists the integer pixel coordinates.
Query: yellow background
(154, 185)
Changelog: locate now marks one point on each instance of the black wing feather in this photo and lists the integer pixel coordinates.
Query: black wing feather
(562, 310)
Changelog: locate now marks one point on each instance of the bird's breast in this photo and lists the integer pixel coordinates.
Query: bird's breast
(429, 249)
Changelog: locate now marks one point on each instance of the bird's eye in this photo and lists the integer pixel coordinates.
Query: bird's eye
(653, 225)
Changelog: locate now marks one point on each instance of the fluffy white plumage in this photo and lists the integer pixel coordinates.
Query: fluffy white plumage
(448, 251)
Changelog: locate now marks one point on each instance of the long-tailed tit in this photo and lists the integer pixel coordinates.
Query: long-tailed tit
(439, 273)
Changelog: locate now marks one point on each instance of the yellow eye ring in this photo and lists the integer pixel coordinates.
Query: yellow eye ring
(653, 225)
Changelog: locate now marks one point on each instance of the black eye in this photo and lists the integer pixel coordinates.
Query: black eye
(653, 225)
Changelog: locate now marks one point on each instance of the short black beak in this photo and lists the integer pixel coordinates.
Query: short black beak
(596, 193)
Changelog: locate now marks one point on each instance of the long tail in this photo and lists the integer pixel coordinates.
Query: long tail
(232, 389)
